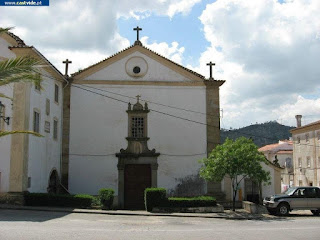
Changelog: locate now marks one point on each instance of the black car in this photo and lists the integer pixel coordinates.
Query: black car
(295, 198)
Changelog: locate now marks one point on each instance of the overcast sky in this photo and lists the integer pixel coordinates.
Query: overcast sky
(268, 51)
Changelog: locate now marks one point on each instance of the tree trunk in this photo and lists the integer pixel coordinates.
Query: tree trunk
(260, 192)
(234, 200)
(234, 189)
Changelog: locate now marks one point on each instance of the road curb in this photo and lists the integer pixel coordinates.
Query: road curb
(243, 215)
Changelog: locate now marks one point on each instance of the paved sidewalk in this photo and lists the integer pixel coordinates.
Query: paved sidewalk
(239, 214)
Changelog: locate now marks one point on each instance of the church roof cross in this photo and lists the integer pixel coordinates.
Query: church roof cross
(67, 63)
(211, 64)
(138, 97)
(137, 29)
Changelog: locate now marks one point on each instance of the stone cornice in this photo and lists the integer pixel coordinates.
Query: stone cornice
(309, 127)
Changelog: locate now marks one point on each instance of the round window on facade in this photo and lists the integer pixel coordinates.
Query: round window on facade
(136, 69)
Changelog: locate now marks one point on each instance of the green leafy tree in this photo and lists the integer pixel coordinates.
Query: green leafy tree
(20, 69)
(237, 160)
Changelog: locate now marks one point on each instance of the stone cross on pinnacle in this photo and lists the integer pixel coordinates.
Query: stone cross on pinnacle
(137, 29)
(211, 64)
(138, 96)
(67, 63)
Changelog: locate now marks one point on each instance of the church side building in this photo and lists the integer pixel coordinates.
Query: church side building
(139, 120)
(27, 162)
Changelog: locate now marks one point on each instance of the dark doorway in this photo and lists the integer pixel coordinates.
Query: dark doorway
(252, 191)
(53, 182)
(137, 177)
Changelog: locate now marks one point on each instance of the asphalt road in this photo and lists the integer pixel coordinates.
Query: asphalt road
(25, 225)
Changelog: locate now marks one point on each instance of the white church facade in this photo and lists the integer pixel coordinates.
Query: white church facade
(139, 120)
(131, 121)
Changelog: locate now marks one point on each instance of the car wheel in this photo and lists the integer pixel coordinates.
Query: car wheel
(315, 212)
(283, 209)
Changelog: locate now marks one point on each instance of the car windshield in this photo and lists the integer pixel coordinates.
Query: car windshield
(290, 191)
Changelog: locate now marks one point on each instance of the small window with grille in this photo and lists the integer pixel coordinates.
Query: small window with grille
(55, 129)
(137, 127)
(299, 162)
(56, 93)
(36, 121)
(48, 107)
(37, 84)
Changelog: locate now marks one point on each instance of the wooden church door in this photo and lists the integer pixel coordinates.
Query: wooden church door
(137, 177)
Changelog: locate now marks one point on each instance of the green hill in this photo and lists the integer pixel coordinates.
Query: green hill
(262, 134)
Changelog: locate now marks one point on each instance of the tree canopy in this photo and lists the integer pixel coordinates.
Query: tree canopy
(237, 160)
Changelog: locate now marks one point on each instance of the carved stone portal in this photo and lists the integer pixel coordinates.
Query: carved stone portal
(137, 151)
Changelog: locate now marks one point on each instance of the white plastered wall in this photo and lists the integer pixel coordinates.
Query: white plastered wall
(155, 71)
(44, 152)
(99, 126)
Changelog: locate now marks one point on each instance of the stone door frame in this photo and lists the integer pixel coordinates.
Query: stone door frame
(152, 161)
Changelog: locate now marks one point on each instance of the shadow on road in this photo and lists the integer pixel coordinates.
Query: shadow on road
(29, 216)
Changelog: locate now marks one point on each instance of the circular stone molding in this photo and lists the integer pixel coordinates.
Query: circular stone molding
(136, 67)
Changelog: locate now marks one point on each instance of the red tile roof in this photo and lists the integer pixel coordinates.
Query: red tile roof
(268, 147)
(285, 152)
(285, 145)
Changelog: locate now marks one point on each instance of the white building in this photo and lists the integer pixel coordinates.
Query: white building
(282, 153)
(112, 132)
(27, 162)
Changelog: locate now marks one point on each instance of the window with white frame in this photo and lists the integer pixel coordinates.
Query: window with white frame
(56, 93)
(36, 121)
(308, 162)
(55, 129)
